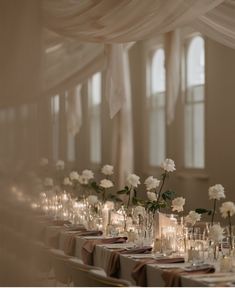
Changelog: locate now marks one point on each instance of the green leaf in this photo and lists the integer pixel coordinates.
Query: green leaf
(115, 198)
(201, 210)
(168, 195)
(135, 193)
(97, 188)
(122, 192)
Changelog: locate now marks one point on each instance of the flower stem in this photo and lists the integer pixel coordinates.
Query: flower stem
(103, 196)
(213, 213)
(161, 187)
(129, 198)
(230, 231)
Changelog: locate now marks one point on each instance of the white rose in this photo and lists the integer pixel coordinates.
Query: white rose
(152, 196)
(60, 165)
(67, 182)
(88, 174)
(133, 180)
(192, 217)
(216, 233)
(44, 162)
(82, 180)
(92, 199)
(107, 170)
(227, 207)
(105, 183)
(74, 175)
(48, 182)
(139, 210)
(178, 204)
(168, 165)
(43, 195)
(216, 192)
(109, 205)
(151, 183)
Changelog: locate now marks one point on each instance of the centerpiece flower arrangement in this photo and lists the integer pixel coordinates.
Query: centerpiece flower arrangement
(227, 210)
(158, 199)
(79, 184)
(104, 186)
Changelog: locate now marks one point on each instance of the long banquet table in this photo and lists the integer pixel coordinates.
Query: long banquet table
(31, 226)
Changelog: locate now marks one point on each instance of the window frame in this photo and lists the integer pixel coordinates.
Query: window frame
(196, 172)
(150, 49)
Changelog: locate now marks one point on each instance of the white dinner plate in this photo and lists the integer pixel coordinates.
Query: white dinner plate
(117, 245)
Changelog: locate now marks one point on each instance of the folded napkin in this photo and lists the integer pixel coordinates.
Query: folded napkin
(59, 222)
(70, 241)
(78, 227)
(172, 277)
(114, 260)
(139, 271)
(89, 246)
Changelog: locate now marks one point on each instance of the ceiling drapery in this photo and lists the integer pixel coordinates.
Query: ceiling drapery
(118, 21)
(110, 21)
(219, 23)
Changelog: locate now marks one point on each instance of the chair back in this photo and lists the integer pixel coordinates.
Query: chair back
(100, 279)
(79, 273)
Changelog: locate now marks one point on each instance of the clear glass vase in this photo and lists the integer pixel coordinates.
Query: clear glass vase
(149, 229)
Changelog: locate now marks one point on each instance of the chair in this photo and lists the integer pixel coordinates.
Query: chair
(60, 266)
(100, 279)
(79, 273)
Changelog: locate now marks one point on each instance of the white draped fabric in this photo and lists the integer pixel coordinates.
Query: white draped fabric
(118, 21)
(115, 80)
(123, 130)
(74, 111)
(219, 23)
(121, 20)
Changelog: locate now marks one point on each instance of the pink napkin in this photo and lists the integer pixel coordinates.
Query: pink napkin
(89, 246)
(172, 277)
(139, 271)
(114, 261)
(70, 241)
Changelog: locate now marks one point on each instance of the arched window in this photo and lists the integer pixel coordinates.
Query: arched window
(194, 104)
(156, 109)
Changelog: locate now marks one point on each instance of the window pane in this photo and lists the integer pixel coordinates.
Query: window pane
(196, 62)
(96, 89)
(198, 135)
(95, 118)
(158, 72)
(55, 108)
(156, 110)
(194, 105)
(157, 141)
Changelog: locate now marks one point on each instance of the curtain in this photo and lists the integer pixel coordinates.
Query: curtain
(122, 141)
(74, 112)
